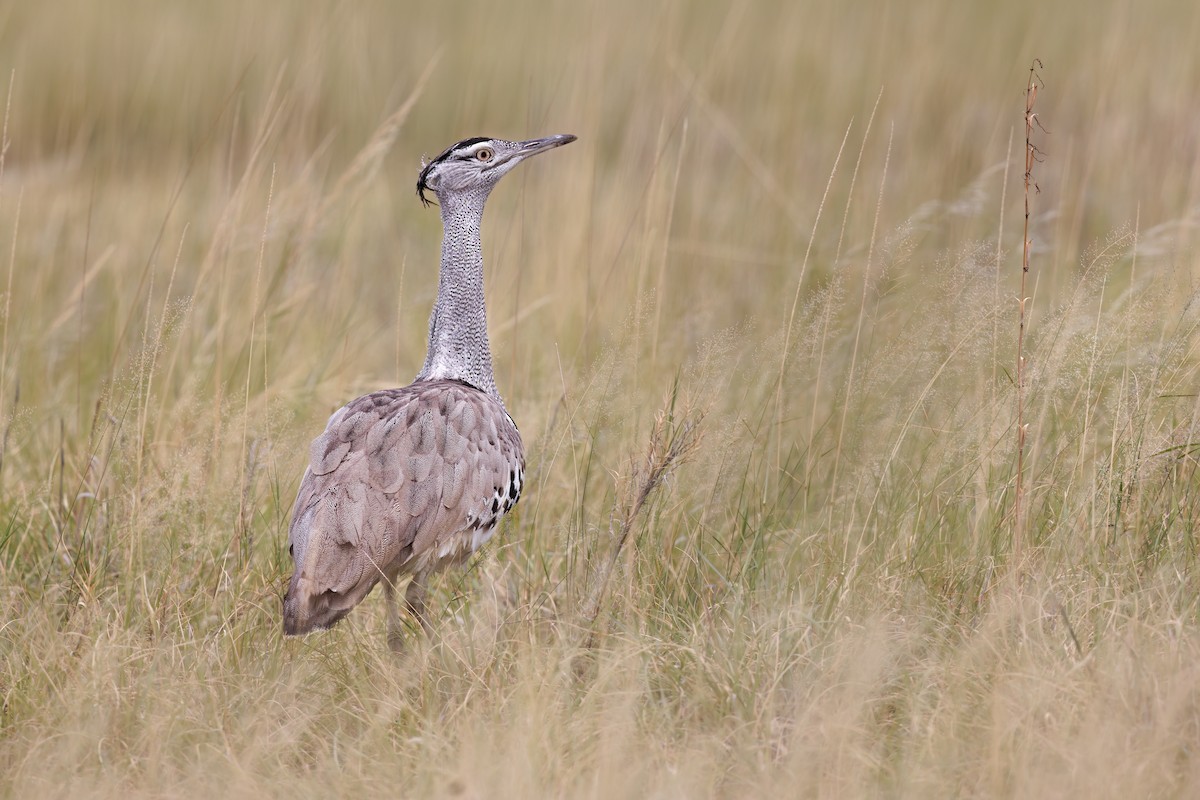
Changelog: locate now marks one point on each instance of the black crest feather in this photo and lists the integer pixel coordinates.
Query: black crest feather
(422, 185)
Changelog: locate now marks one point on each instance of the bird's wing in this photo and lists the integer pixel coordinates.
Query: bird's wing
(404, 479)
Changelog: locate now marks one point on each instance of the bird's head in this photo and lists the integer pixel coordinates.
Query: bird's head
(473, 166)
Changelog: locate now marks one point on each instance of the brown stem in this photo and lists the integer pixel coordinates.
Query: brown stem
(673, 439)
(1031, 90)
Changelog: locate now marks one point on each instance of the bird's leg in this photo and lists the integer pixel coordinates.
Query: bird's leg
(414, 597)
(395, 628)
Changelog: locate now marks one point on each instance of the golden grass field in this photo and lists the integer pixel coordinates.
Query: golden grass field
(789, 232)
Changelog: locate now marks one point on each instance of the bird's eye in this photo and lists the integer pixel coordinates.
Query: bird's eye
(484, 154)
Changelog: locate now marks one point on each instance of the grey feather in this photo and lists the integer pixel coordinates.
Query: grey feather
(393, 501)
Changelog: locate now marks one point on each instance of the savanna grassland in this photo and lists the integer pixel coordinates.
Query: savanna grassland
(771, 291)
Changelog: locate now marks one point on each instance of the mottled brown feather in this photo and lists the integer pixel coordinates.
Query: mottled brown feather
(404, 480)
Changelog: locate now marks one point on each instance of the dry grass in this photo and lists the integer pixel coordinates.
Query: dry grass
(794, 216)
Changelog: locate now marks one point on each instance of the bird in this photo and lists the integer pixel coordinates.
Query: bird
(408, 481)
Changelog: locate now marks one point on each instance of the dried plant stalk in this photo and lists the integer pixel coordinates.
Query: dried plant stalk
(674, 438)
(1032, 157)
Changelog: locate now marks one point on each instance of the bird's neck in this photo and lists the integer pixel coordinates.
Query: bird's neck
(458, 340)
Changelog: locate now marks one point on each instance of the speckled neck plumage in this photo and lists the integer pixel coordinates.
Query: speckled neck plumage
(458, 339)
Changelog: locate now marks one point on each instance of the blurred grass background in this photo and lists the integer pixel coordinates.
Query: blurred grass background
(796, 222)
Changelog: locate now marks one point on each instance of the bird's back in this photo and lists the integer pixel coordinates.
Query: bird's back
(401, 480)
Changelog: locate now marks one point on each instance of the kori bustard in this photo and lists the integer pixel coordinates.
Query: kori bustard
(406, 481)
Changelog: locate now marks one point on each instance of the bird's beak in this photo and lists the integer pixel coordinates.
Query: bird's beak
(534, 146)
